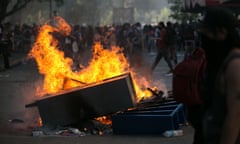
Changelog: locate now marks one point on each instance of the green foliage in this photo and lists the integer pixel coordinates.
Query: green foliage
(178, 14)
(164, 15)
(10, 7)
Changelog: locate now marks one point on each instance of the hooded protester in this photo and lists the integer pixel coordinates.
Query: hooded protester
(221, 43)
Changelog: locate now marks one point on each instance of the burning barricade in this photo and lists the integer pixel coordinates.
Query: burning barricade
(81, 103)
(106, 86)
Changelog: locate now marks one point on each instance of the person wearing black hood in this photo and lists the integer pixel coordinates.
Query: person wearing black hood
(221, 42)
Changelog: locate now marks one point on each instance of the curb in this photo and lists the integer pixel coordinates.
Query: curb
(13, 63)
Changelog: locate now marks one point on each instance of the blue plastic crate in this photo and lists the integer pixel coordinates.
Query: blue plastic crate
(151, 120)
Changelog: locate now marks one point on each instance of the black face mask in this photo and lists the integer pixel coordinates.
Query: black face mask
(216, 50)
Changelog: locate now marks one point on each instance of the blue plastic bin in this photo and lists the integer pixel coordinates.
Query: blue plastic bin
(151, 120)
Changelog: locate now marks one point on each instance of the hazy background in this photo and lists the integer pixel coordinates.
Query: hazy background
(96, 12)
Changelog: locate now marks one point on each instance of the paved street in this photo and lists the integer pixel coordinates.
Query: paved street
(18, 86)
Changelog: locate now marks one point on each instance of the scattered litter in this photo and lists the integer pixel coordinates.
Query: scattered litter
(16, 121)
(173, 133)
(37, 133)
(92, 127)
(71, 132)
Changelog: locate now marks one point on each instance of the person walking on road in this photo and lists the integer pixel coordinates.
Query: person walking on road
(162, 49)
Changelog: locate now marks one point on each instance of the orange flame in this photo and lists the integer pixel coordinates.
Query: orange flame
(106, 63)
(105, 120)
(56, 68)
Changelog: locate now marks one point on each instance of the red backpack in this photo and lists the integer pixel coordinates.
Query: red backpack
(188, 77)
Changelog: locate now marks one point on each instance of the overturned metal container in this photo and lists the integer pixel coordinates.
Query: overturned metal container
(93, 100)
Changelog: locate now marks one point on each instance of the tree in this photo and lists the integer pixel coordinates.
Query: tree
(178, 14)
(9, 7)
(4, 5)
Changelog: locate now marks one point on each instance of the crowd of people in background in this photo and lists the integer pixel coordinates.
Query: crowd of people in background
(136, 39)
(163, 39)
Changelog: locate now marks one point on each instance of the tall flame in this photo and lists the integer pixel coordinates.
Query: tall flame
(56, 68)
(51, 61)
(106, 63)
